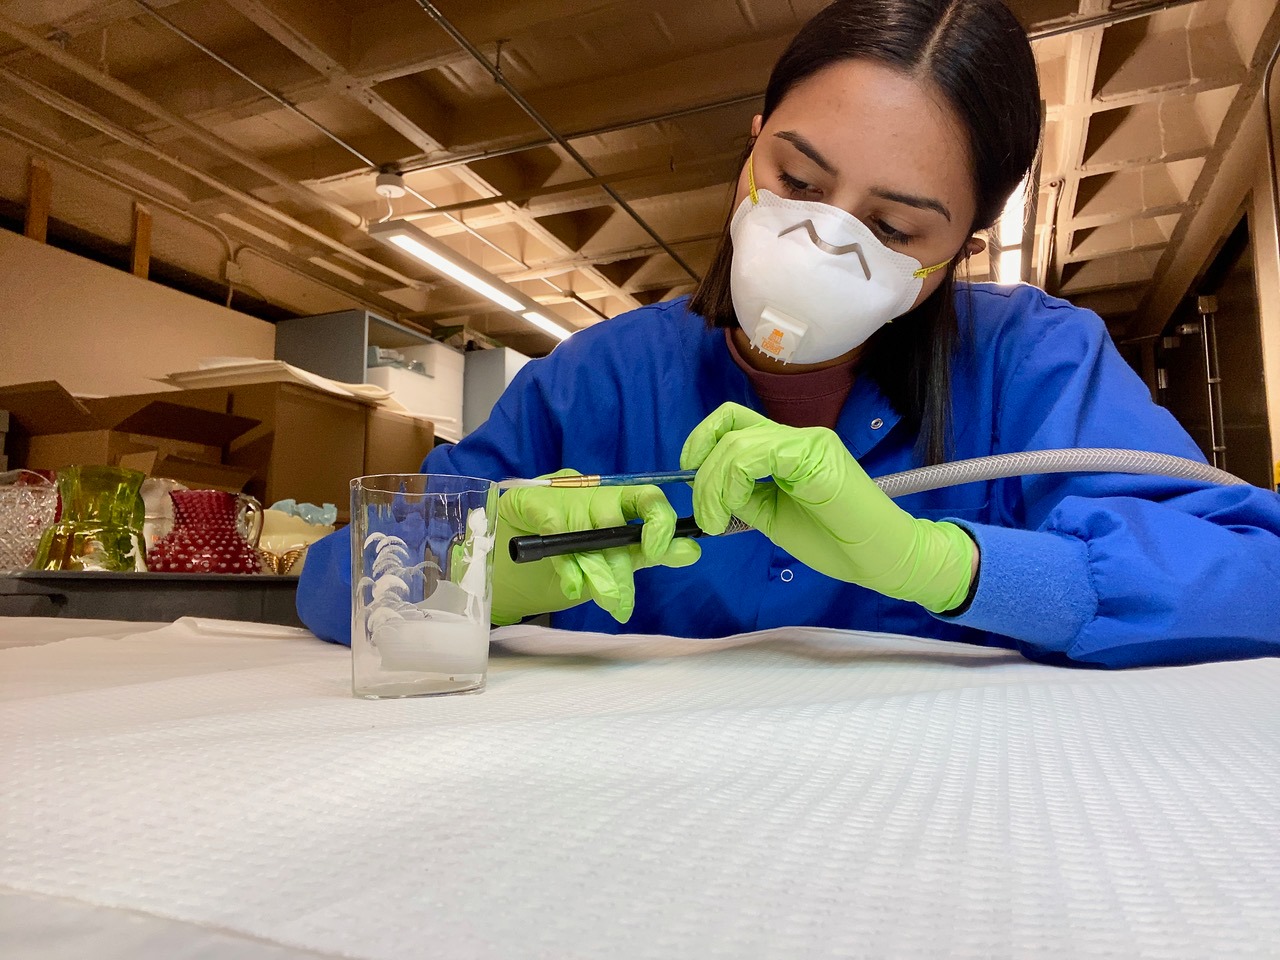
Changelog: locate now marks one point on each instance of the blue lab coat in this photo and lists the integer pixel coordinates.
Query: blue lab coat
(1097, 569)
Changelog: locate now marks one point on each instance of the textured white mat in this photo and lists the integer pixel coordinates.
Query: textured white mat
(821, 794)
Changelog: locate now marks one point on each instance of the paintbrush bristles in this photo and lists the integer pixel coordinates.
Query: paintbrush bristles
(508, 484)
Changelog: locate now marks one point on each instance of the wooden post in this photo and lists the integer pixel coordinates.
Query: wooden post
(140, 264)
(39, 201)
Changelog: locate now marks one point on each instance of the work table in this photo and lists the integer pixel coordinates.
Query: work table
(209, 788)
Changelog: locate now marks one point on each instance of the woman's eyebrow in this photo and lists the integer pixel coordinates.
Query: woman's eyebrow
(801, 143)
(923, 203)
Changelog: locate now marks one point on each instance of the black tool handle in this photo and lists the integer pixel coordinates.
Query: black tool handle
(531, 548)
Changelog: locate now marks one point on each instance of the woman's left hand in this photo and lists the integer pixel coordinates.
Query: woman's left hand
(822, 508)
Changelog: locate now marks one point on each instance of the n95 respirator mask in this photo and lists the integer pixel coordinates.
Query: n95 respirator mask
(810, 281)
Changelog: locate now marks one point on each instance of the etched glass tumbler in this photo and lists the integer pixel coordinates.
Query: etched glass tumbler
(422, 583)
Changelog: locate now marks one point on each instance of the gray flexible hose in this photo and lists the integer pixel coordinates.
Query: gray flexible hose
(1075, 460)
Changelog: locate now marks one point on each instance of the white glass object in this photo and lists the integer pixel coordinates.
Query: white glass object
(422, 582)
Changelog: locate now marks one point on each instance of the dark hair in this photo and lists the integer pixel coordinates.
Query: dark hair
(978, 56)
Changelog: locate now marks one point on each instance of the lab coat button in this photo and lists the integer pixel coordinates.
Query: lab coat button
(877, 423)
(786, 576)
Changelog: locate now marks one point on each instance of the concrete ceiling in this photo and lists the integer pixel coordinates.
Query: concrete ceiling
(262, 123)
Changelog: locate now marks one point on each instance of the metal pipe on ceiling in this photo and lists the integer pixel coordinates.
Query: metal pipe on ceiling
(379, 308)
(72, 109)
(459, 159)
(712, 164)
(283, 101)
(496, 73)
(1134, 11)
(599, 259)
(56, 54)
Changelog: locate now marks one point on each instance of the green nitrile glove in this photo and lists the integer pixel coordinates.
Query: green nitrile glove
(605, 576)
(822, 508)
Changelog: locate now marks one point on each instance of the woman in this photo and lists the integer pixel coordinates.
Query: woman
(830, 342)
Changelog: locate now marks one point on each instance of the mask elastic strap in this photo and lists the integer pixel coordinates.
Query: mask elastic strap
(925, 271)
(751, 180)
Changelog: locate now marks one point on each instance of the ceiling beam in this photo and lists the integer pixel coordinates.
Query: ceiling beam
(396, 40)
(369, 53)
(724, 71)
(1217, 196)
(744, 107)
(70, 18)
(321, 39)
(291, 23)
(542, 267)
(637, 184)
(116, 88)
(1081, 72)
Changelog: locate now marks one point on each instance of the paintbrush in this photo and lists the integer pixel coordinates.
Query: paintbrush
(603, 480)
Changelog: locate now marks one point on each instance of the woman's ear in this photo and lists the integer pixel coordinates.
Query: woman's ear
(757, 124)
(974, 246)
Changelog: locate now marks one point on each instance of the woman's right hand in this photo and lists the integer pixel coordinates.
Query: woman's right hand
(606, 576)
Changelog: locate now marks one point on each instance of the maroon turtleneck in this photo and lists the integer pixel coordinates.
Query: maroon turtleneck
(813, 398)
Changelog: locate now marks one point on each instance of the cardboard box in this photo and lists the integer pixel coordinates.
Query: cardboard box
(195, 474)
(166, 438)
(308, 447)
(396, 442)
(302, 444)
(307, 444)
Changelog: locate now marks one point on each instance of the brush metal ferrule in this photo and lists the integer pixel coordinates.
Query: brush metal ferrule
(585, 480)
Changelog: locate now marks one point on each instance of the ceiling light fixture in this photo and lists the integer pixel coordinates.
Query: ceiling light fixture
(548, 326)
(420, 245)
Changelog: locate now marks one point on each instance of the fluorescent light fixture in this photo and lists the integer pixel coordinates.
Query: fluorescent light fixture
(1011, 265)
(545, 325)
(418, 244)
(453, 271)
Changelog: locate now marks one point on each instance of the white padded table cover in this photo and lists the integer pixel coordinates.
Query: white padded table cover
(803, 793)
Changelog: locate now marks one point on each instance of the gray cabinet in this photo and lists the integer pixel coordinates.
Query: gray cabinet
(336, 345)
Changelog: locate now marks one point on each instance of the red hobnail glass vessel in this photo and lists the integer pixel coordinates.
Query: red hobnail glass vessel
(206, 535)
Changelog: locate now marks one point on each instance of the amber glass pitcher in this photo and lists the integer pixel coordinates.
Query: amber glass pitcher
(101, 525)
